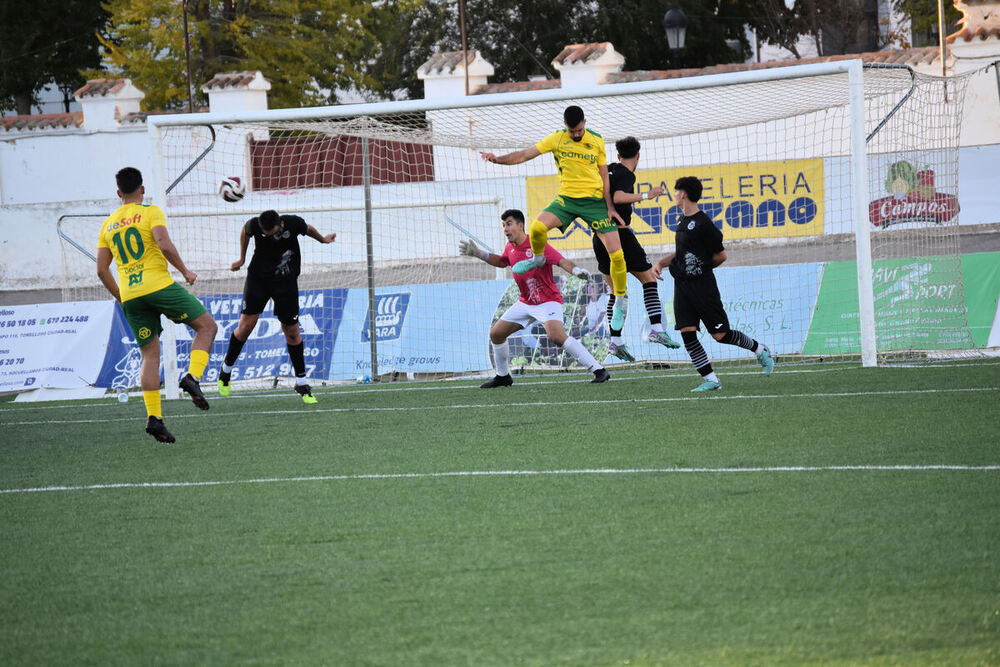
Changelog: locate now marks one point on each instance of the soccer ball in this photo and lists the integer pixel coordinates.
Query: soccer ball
(232, 189)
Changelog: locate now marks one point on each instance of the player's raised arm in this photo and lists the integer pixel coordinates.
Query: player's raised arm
(578, 271)
(169, 251)
(472, 249)
(312, 232)
(517, 157)
(244, 243)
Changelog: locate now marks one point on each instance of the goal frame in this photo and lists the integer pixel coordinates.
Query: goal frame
(857, 158)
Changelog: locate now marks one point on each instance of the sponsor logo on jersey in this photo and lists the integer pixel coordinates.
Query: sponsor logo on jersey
(390, 313)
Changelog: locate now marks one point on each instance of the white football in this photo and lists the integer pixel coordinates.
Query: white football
(232, 189)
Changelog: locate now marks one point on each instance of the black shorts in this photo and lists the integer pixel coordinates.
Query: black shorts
(635, 256)
(699, 300)
(284, 293)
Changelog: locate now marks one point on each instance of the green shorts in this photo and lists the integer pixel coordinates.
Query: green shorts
(592, 210)
(143, 312)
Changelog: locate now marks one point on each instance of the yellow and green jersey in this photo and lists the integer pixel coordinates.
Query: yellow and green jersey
(577, 161)
(128, 234)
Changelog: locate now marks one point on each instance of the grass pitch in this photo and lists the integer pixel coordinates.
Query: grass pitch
(831, 515)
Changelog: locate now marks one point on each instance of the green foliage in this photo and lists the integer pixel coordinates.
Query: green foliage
(43, 43)
(521, 39)
(924, 19)
(306, 48)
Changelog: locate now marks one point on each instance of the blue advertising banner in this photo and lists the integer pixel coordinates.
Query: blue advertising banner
(266, 353)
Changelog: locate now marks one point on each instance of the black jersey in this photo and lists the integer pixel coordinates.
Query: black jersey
(698, 240)
(622, 179)
(276, 258)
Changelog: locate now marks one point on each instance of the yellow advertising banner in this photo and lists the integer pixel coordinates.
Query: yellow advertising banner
(746, 201)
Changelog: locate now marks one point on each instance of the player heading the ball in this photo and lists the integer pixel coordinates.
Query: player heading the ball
(584, 192)
(273, 274)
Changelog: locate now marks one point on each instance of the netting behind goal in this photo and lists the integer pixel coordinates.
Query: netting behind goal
(403, 184)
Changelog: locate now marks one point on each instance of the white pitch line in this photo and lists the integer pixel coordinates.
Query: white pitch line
(504, 406)
(513, 473)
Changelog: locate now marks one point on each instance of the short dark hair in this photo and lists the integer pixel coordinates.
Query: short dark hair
(129, 179)
(268, 220)
(627, 148)
(690, 185)
(513, 213)
(573, 116)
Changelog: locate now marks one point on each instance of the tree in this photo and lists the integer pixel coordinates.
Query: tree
(924, 19)
(308, 49)
(521, 38)
(45, 43)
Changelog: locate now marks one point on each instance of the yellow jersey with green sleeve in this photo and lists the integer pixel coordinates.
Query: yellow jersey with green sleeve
(128, 234)
(577, 161)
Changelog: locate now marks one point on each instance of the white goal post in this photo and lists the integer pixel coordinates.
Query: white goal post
(822, 177)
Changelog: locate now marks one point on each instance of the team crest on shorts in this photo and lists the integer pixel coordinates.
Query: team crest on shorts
(144, 332)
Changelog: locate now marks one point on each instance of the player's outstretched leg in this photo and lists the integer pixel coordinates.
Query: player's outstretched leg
(740, 339)
(296, 352)
(617, 348)
(155, 427)
(539, 235)
(226, 372)
(583, 355)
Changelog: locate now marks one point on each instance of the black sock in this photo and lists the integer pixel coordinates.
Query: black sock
(611, 313)
(651, 297)
(234, 349)
(739, 339)
(296, 352)
(697, 353)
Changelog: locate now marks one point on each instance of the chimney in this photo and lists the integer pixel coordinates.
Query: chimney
(444, 74)
(587, 64)
(237, 91)
(105, 102)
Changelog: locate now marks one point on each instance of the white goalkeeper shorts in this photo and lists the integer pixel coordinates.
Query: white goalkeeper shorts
(524, 314)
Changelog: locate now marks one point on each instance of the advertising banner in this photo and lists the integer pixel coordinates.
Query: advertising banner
(927, 303)
(57, 345)
(746, 201)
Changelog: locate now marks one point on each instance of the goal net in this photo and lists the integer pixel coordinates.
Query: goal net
(835, 191)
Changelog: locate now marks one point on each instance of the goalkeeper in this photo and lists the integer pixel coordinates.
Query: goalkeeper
(540, 300)
(584, 192)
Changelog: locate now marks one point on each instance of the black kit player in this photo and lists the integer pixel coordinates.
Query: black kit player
(698, 250)
(621, 176)
(272, 275)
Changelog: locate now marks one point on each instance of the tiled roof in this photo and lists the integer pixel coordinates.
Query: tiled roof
(231, 80)
(43, 121)
(980, 19)
(580, 53)
(922, 56)
(444, 63)
(516, 86)
(100, 87)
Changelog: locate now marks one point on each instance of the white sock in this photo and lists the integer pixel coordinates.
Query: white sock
(580, 353)
(617, 340)
(300, 381)
(226, 368)
(657, 327)
(713, 377)
(501, 357)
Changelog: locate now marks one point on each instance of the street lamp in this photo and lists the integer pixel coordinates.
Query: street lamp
(675, 27)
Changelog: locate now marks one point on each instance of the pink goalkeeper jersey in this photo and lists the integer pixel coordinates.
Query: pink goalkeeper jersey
(537, 286)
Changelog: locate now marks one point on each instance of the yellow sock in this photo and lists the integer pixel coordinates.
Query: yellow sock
(539, 237)
(619, 272)
(199, 359)
(152, 401)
